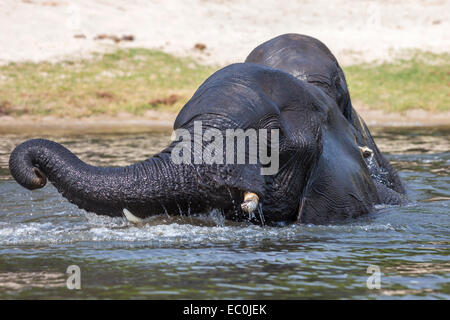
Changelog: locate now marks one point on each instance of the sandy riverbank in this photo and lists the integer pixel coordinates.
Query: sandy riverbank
(163, 121)
(225, 30)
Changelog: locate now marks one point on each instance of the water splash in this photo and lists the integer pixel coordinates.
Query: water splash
(179, 209)
(251, 216)
(165, 210)
(261, 214)
(231, 196)
(218, 217)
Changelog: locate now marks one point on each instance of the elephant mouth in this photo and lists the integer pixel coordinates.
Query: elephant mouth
(233, 202)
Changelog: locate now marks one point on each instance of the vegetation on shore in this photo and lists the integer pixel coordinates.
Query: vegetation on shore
(128, 80)
(421, 81)
(136, 80)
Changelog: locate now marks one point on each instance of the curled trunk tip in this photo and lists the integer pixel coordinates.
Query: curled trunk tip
(23, 166)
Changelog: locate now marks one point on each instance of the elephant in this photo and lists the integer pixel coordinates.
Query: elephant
(309, 60)
(328, 170)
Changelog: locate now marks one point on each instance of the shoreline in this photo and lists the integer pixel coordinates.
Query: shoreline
(163, 122)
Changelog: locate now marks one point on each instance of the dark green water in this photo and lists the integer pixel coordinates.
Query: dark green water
(41, 234)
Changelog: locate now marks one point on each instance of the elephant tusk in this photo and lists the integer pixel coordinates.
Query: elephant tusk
(250, 202)
(131, 217)
(366, 151)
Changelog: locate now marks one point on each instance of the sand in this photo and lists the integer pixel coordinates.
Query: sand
(354, 30)
(219, 32)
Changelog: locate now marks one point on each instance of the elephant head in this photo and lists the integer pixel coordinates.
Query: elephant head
(309, 60)
(321, 173)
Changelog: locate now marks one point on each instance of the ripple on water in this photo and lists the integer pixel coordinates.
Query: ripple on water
(163, 230)
(205, 257)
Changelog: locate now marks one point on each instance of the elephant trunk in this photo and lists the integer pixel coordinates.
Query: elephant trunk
(153, 186)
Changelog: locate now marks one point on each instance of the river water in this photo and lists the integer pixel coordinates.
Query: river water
(42, 234)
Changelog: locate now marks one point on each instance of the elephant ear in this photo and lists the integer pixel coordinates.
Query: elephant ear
(342, 95)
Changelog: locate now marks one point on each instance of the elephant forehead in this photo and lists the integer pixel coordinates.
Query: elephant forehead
(291, 45)
(304, 57)
(243, 104)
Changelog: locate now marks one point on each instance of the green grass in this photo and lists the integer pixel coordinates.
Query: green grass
(128, 80)
(136, 80)
(420, 82)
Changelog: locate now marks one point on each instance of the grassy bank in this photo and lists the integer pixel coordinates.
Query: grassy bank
(131, 80)
(420, 82)
(136, 80)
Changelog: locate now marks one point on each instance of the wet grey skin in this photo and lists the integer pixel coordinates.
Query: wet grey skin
(330, 168)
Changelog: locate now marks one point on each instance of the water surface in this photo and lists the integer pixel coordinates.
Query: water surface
(41, 234)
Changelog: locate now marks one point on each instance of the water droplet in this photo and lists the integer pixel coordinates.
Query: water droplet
(261, 214)
(165, 210)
